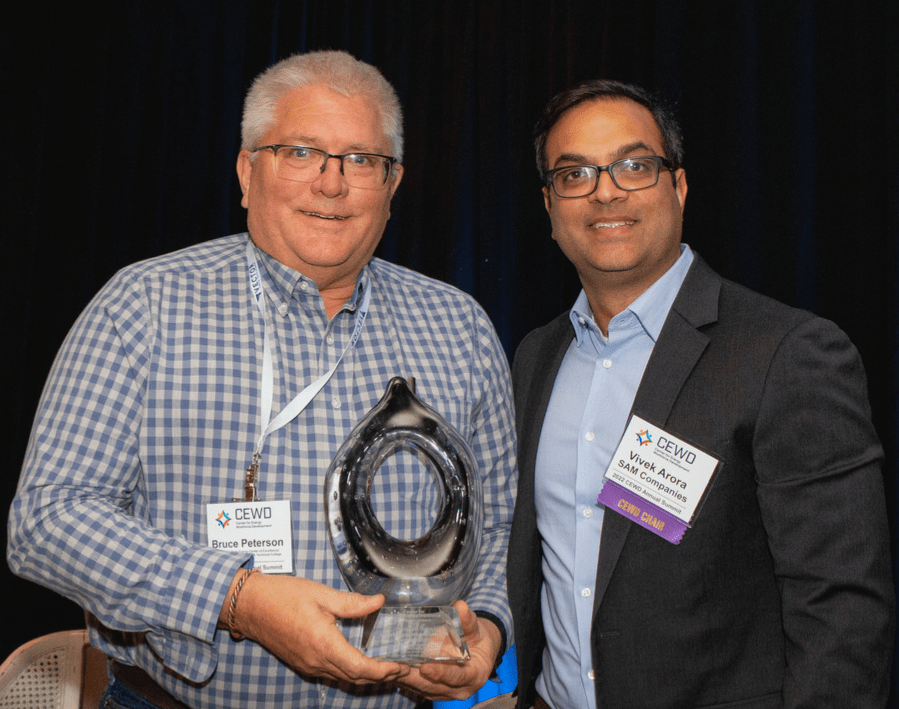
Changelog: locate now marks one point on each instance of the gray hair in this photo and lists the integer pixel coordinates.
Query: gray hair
(336, 70)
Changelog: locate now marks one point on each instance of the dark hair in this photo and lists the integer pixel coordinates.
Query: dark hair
(604, 89)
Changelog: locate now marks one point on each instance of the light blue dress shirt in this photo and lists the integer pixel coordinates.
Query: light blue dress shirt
(586, 417)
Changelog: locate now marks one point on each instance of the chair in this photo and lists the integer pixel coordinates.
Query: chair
(56, 671)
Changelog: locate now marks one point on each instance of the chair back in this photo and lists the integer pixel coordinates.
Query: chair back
(45, 673)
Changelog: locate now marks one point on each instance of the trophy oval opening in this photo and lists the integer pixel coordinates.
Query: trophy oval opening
(406, 474)
(428, 555)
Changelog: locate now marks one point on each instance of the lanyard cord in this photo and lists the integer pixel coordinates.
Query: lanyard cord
(301, 400)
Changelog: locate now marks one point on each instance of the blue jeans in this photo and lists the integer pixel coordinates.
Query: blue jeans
(118, 696)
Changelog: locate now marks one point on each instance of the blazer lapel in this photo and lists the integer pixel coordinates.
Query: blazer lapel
(550, 357)
(678, 349)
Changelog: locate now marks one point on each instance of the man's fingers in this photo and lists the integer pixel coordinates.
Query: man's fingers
(355, 605)
(468, 620)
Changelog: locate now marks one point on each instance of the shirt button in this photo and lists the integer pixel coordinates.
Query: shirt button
(589, 435)
(591, 675)
(335, 402)
(585, 592)
(330, 339)
(304, 286)
(282, 309)
(588, 512)
(607, 363)
(582, 321)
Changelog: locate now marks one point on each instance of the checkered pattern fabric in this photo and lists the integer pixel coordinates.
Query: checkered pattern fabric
(151, 411)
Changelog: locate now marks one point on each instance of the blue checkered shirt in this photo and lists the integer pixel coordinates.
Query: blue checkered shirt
(151, 411)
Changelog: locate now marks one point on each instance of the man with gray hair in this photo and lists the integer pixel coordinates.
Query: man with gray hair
(234, 370)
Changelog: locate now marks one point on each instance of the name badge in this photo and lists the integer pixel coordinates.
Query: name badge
(262, 528)
(657, 480)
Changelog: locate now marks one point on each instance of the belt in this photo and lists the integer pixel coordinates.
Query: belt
(140, 682)
(539, 703)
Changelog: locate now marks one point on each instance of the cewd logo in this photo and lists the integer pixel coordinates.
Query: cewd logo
(644, 437)
(223, 519)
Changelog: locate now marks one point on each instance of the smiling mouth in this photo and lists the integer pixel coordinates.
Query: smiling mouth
(612, 225)
(334, 217)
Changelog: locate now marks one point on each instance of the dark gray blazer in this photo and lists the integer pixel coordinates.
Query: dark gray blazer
(780, 595)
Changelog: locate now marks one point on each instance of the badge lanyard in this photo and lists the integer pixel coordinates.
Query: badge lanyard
(301, 400)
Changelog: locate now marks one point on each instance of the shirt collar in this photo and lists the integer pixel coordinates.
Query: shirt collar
(650, 309)
(290, 284)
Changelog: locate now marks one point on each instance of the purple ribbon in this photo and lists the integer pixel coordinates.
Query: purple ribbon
(642, 512)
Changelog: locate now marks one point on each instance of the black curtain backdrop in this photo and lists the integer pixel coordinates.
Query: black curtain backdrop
(123, 127)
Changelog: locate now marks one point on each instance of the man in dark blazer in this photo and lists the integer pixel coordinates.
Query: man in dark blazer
(779, 593)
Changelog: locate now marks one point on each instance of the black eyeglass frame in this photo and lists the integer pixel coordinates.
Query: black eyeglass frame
(658, 159)
(391, 161)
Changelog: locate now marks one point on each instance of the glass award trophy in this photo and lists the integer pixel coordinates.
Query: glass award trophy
(420, 578)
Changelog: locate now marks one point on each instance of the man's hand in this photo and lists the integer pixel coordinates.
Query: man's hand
(439, 681)
(294, 618)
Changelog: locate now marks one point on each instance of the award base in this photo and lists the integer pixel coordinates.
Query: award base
(412, 635)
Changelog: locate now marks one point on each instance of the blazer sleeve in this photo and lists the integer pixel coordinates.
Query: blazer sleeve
(820, 489)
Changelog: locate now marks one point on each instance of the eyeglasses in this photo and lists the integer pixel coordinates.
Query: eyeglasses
(299, 163)
(629, 174)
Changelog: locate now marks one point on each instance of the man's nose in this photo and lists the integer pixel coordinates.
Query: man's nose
(331, 181)
(607, 190)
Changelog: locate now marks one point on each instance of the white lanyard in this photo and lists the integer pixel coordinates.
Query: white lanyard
(301, 400)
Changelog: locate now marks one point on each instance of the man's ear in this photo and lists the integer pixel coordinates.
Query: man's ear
(680, 186)
(395, 178)
(244, 171)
